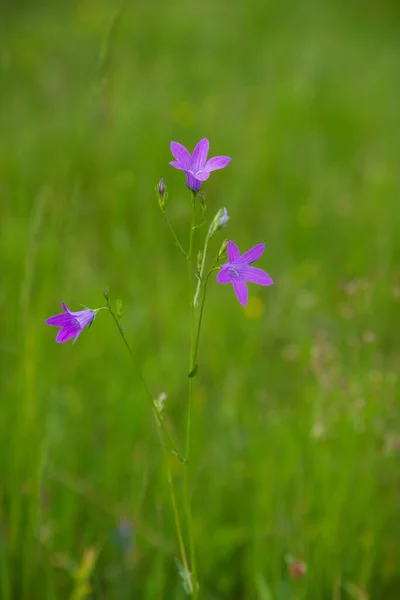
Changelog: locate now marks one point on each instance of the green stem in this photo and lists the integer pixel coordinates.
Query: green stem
(203, 262)
(172, 230)
(196, 345)
(173, 448)
(186, 498)
(177, 521)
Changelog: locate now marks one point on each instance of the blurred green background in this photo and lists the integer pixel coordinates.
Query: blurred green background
(296, 420)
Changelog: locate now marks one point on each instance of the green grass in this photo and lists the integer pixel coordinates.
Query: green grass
(296, 425)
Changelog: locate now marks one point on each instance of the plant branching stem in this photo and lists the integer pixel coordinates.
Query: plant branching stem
(172, 230)
(166, 450)
(203, 262)
(172, 446)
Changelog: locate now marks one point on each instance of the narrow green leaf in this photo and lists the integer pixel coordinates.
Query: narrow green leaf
(182, 574)
(263, 589)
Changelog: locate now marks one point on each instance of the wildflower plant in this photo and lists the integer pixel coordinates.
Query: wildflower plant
(237, 270)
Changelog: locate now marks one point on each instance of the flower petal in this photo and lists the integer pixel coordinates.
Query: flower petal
(192, 183)
(84, 317)
(233, 252)
(59, 320)
(241, 291)
(252, 255)
(217, 162)
(180, 153)
(178, 165)
(223, 275)
(199, 156)
(78, 333)
(66, 333)
(65, 307)
(254, 275)
(202, 175)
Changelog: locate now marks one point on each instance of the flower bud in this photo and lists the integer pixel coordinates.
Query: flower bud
(118, 308)
(161, 187)
(219, 222)
(203, 205)
(162, 194)
(199, 260)
(221, 251)
(160, 401)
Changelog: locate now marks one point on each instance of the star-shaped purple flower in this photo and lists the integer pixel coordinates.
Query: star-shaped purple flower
(238, 271)
(196, 166)
(72, 323)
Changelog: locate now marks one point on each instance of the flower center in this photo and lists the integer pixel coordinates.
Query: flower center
(233, 272)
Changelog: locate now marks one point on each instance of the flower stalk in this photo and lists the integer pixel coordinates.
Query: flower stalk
(154, 407)
(186, 498)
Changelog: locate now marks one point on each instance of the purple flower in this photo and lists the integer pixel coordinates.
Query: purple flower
(72, 323)
(196, 166)
(238, 271)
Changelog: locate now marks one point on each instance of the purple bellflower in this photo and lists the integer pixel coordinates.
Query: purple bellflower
(238, 271)
(72, 323)
(196, 165)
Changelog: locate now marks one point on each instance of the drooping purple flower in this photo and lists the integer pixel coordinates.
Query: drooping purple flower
(196, 165)
(72, 323)
(238, 271)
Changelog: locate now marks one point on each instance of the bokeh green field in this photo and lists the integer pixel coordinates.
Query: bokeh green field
(296, 436)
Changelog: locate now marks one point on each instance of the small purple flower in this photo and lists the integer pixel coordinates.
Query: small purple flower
(72, 323)
(196, 166)
(238, 271)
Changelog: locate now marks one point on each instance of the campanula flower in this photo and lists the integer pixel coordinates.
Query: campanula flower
(196, 165)
(238, 271)
(72, 323)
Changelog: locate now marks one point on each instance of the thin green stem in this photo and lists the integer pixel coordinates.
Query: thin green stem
(172, 230)
(200, 280)
(177, 522)
(190, 278)
(172, 446)
(196, 345)
(186, 498)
